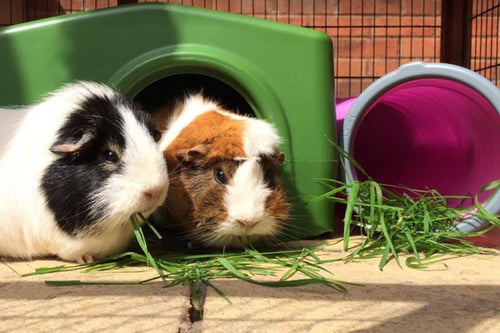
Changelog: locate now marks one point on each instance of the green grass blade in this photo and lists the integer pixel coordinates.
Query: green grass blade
(388, 239)
(352, 200)
(219, 292)
(142, 243)
(153, 229)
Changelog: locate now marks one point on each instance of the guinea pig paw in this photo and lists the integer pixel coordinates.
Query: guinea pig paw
(85, 259)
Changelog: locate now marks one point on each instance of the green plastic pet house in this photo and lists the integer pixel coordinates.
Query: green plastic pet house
(283, 72)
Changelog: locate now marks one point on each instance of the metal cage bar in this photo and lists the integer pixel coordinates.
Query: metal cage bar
(485, 44)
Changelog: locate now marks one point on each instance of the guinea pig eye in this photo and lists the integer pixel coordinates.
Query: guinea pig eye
(110, 156)
(220, 176)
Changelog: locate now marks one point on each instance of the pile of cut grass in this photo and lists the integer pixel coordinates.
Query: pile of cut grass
(418, 223)
(286, 268)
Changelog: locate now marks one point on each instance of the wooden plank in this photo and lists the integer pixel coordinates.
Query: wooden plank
(456, 32)
(12, 12)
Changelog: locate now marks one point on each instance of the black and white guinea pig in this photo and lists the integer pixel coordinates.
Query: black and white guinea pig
(222, 171)
(80, 163)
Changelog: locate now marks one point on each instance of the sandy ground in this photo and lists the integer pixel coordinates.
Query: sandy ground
(458, 295)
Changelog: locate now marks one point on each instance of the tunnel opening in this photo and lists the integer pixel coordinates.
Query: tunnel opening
(176, 87)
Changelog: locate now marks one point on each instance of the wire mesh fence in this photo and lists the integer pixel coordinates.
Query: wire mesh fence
(370, 37)
(485, 44)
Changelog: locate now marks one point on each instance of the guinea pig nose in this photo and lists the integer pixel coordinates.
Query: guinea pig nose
(247, 223)
(152, 194)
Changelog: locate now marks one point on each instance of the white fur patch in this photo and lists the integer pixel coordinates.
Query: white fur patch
(260, 138)
(246, 201)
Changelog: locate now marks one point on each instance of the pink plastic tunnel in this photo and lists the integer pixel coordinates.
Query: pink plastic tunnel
(427, 126)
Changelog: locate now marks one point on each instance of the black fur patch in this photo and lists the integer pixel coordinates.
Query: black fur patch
(70, 181)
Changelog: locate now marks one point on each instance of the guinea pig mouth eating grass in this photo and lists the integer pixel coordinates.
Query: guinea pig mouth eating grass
(223, 175)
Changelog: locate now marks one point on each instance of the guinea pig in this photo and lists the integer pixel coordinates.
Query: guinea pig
(222, 171)
(81, 162)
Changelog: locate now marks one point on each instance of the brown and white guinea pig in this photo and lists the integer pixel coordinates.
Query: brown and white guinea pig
(222, 170)
(80, 163)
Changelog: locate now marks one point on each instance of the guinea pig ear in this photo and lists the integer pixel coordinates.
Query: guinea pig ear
(69, 147)
(278, 158)
(193, 154)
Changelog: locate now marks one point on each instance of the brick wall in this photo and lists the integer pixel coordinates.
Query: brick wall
(370, 37)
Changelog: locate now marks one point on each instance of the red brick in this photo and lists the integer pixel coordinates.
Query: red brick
(479, 63)
(292, 19)
(345, 67)
(367, 67)
(401, 25)
(479, 7)
(389, 7)
(368, 47)
(350, 87)
(420, 7)
(266, 9)
(258, 7)
(320, 21)
(203, 3)
(63, 4)
(491, 73)
(342, 88)
(380, 7)
(77, 6)
(394, 28)
(222, 5)
(418, 47)
(352, 32)
(347, 47)
(320, 7)
(295, 6)
(247, 8)
(271, 7)
(235, 6)
(365, 83)
(345, 26)
(485, 47)
(355, 6)
(383, 66)
(281, 6)
(300, 20)
(349, 20)
(485, 26)
(104, 3)
(355, 87)
(306, 7)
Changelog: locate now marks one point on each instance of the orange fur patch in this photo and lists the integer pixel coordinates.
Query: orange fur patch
(221, 132)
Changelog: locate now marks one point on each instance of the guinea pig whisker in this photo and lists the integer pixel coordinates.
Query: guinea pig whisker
(295, 228)
(213, 238)
(163, 209)
(276, 242)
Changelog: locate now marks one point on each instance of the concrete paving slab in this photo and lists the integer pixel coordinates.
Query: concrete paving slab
(27, 304)
(459, 295)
